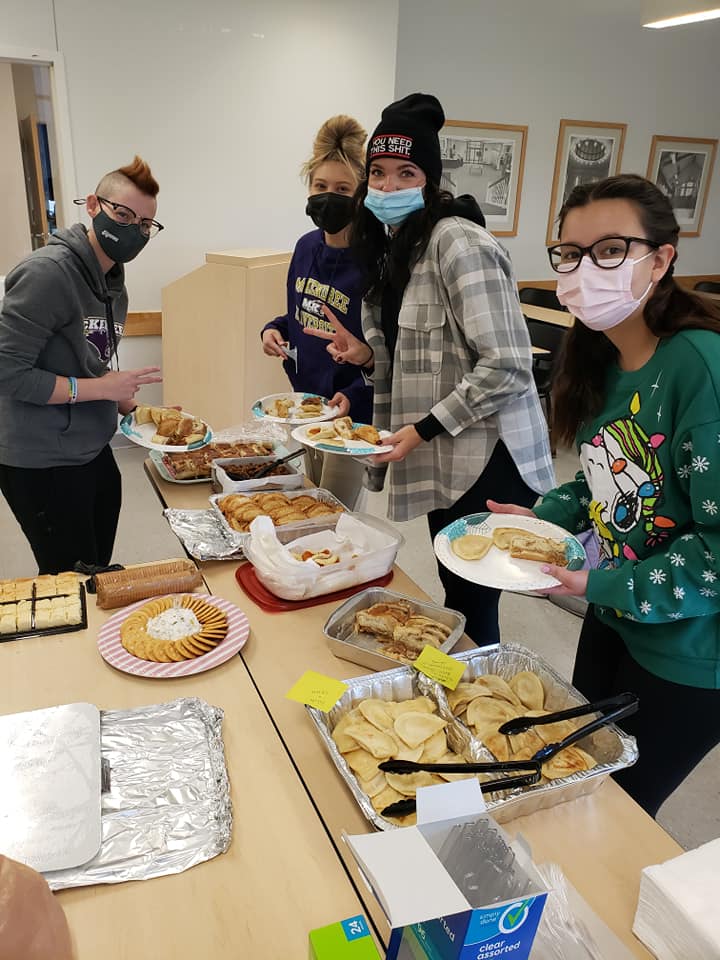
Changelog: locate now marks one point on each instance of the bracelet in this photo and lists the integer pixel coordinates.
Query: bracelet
(370, 357)
(73, 389)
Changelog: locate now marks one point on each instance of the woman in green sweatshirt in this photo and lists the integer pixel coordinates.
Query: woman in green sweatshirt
(638, 392)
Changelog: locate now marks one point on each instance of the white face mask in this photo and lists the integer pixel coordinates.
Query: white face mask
(601, 299)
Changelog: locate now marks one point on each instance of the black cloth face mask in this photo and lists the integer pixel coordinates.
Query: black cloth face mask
(120, 242)
(331, 212)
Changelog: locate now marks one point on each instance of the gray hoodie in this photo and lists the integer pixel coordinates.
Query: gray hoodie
(54, 321)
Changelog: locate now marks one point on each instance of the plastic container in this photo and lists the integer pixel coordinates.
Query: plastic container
(222, 483)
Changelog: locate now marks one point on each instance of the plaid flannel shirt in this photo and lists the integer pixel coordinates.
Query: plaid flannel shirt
(463, 353)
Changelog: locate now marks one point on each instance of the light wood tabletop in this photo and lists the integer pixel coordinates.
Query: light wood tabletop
(547, 315)
(602, 841)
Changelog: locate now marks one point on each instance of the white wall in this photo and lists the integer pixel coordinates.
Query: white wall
(532, 62)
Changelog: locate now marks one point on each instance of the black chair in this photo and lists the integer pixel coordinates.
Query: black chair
(540, 298)
(707, 286)
(549, 336)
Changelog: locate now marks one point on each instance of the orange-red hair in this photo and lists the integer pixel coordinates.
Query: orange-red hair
(138, 172)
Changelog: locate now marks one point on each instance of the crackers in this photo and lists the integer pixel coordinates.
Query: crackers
(141, 633)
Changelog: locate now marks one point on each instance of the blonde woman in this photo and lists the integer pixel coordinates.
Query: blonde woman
(322, 274)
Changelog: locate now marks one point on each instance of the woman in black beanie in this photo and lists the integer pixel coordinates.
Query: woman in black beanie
(447, 346)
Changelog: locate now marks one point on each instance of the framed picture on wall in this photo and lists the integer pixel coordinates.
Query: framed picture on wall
(486, 160)
(682, 169)
(586, 152)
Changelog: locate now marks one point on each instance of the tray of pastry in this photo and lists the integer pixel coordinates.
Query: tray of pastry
(291, 509)
(195, 466)
(42, 605)
(378, 628)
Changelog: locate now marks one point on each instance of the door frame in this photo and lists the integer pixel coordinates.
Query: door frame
(61, 113)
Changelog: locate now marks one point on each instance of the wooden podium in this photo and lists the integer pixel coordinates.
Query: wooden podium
(212, 358)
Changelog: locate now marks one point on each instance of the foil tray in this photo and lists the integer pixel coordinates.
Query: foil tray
(168, 805)
(610, 746)
(202, 535)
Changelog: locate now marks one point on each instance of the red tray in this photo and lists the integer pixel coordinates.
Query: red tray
(249, 583)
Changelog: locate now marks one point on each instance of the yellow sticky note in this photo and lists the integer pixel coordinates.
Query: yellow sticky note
(317, 690)
(439, 666)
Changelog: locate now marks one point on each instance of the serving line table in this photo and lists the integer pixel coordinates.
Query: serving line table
(602, 842)
(281, 876)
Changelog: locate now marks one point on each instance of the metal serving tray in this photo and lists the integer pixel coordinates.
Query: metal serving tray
(612, 748)
(305, 526)
(364, 649)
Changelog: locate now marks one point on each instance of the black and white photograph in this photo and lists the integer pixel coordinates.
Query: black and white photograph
(485, 160)
(586, 152)
(682, 170)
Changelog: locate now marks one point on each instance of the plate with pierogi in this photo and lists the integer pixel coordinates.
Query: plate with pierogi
(293, 408)
(166, 429)
(345, 437)
(507, 552)
(173, 636)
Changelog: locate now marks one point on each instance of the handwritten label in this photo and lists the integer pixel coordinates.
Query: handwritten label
(317, 690)
(439, 666)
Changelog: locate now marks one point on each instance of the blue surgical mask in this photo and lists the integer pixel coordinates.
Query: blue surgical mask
(395, 207)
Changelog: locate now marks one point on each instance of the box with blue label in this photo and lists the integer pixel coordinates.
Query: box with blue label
(347, 940)
(453, 889)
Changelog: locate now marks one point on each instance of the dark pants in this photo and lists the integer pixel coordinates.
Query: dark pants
(66, 513)
(675, 727)
(500, 480)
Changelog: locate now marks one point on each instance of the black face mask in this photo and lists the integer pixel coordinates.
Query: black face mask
(332, 212)
(120, 242)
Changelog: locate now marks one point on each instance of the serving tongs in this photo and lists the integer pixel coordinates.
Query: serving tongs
(276, 463)
(610, 710)
(402, 807)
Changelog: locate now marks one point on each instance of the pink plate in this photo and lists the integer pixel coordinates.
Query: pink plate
(113, 651)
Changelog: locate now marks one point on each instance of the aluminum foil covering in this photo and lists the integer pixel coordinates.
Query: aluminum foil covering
(168, 804)
(203, 535)
(610, 746)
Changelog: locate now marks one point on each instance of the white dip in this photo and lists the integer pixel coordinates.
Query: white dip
(173, 624)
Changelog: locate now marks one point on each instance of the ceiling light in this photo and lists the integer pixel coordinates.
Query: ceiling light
(670, 13)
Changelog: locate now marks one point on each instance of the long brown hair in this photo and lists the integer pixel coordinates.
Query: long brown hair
(579, 387)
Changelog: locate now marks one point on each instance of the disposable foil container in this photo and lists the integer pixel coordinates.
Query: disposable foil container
(303, 526)
(611, 747)
(168, 806)
(203, 535)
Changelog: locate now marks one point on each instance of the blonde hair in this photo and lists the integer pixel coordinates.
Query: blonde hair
(138, 172)
(340, 138)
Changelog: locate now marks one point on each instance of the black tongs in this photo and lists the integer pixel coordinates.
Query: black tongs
(276, 463)
(403, 807)
(610, 710)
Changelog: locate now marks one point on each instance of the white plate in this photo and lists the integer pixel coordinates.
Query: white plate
(497, 568)
(142, 435)
(258, 408)
(157, 459)
(350, 448)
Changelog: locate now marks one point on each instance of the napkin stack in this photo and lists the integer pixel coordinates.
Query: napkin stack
(678, 915)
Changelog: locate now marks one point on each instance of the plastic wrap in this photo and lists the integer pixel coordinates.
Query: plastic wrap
(118, 588)
(253, 430)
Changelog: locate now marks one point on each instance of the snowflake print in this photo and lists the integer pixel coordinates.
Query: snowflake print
(658, 576)
(631, 584)
(709, 556)
(584, 502)
(707, 592)
(700, 464)
(679, 593)
(709, 576)
(565, 496)
(675, 616)
(677, 559)
(687, 445)
(629, 616)
(645, 607)
(719, 438)
(710, 506)
(684, 471)
(659, 414)
(688, 536)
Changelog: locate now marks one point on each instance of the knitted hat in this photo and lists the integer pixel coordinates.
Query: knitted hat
(408, 130)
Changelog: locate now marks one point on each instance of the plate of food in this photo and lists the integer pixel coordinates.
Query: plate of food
(505, 551)
(173, 636)
(344, 437)
(165, 428)
(292, 408)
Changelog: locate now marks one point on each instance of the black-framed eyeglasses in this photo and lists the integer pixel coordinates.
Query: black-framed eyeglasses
(608, 253)
(125, 216)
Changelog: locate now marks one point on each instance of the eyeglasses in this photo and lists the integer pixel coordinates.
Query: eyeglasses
(125, 216)
(608, 253)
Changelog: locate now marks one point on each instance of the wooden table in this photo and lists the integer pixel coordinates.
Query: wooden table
(602, 841)
(547, 315)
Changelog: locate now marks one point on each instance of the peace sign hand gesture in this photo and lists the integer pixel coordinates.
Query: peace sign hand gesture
(343, 346)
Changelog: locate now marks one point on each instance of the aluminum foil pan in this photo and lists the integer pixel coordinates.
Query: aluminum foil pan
(168, 803)
(610, 746)
(202, 534)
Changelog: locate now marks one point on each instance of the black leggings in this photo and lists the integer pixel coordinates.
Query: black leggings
(66, 513)
(500, 480)
(675, 727)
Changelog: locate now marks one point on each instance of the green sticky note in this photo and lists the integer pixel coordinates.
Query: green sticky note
(439, 666)
(317, 690)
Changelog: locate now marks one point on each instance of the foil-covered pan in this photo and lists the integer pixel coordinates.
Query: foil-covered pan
(167, 804)
(611, 747)
(363, 648)
(202, 534)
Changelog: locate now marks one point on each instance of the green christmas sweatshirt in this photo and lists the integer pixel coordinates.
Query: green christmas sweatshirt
(650, 486)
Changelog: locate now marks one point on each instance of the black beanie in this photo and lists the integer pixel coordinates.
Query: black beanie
(408, 130)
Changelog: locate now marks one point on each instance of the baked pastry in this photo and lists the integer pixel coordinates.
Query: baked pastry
(528, 546)
(169, 630)
(367, 432)
(344, 427)
(240, 510)
(471, 546)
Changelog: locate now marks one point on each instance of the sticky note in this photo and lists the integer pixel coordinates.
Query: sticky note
(439, 666)
(317, 690)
